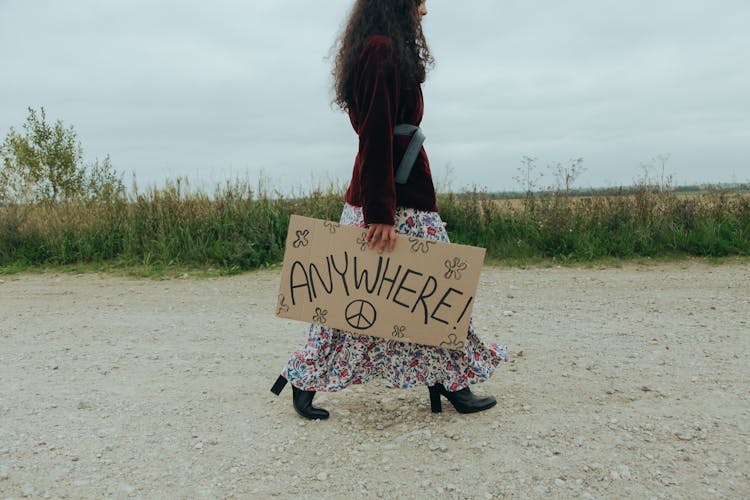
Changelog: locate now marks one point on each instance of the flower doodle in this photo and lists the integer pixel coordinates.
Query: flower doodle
(398, 331)
(453, 344)
(282, 305)
(332, 226)
(301, 240)
(362, 240)
(320, 315)
(420, 245)
(454, 267)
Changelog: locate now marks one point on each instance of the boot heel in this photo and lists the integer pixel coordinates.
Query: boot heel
(279, 385)
(435, 404)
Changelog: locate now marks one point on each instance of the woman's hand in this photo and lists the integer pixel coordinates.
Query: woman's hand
(383, 235)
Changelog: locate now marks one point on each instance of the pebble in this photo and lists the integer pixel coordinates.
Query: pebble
(560, 482)
(28, 490)
(322, 476)
(624, 471)
(127, 488)
(479, 445)
(540, 489)
(198, 445)
(438, 447)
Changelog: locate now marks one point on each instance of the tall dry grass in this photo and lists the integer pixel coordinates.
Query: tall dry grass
(239, 228)
(644, 222)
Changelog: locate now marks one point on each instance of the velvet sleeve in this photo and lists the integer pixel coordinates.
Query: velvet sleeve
(377, 93)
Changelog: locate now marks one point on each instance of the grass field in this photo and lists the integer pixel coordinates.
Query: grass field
(237, 228)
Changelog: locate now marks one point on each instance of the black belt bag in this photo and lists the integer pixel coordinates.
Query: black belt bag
(412, 151)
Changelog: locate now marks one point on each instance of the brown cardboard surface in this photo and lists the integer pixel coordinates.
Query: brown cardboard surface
(422, 292)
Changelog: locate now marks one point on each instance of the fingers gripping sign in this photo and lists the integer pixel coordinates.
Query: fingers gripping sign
(381, 235)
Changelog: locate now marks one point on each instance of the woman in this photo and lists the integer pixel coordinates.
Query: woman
(381, 62)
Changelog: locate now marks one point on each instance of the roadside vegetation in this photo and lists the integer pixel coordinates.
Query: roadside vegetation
(55, 210)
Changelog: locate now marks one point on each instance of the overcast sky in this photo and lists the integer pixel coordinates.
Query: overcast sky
(214, 90)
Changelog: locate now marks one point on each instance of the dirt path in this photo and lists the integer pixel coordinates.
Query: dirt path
(631, 382)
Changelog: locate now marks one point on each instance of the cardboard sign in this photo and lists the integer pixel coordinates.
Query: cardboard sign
(422, 292)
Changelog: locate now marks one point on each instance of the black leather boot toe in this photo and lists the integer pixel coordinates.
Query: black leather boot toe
(302, 401)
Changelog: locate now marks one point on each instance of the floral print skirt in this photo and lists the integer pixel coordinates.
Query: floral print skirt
(332, 358)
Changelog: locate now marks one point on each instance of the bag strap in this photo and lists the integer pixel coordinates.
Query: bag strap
(412, 151)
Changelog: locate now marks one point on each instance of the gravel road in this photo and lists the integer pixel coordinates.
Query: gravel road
(625, 382)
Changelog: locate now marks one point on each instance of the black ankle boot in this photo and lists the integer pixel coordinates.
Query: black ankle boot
(464, 401)
(302, 401)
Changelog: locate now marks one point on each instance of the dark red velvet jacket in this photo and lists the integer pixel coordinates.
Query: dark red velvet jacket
(382, 101)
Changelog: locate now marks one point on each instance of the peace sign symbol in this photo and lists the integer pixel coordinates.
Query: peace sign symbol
(301, 238)
(360, 314)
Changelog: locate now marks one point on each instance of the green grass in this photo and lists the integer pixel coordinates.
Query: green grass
(644, 224)
(172, 231)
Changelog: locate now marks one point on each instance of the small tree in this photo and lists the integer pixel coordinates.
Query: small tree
(101, 181)
(527, 176)
(654, 174)
(566, 175)
(45, 164)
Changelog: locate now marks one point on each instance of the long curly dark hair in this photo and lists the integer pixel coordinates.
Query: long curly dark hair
(397, 19)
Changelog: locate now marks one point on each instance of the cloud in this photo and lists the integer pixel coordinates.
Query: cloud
(213, 89)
